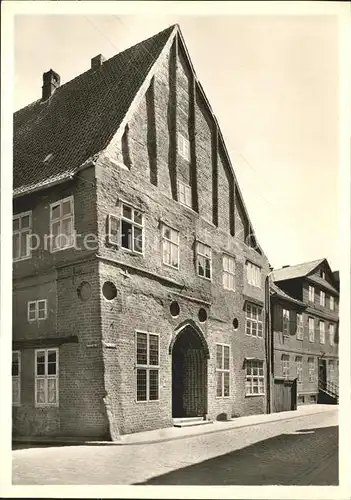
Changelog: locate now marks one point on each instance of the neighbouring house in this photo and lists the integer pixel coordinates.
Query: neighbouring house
(304, 319)
(141, 300)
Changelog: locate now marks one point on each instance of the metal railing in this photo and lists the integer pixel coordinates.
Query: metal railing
(329, 387)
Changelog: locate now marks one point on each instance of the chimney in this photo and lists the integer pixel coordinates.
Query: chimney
(97, 61)
(287, 265)
(51, 81)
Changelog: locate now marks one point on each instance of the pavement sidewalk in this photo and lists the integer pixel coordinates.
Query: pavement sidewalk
(174, 433)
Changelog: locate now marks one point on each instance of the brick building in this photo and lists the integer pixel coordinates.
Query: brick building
(142, 297)
(305, 310)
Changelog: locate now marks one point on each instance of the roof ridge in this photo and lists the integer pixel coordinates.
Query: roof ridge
(106, 62)
(300, 264)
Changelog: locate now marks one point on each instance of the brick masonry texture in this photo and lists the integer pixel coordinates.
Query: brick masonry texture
(97, 377)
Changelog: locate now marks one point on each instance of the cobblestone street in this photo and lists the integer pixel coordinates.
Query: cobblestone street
(299, 451)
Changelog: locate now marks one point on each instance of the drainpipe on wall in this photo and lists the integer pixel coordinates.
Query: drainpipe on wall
(269, 345)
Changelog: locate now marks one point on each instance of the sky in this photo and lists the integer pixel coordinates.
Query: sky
(273, 84)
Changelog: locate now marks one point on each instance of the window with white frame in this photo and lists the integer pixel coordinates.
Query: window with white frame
(322, 298)
(331, 334)
(203, 260)
(253, 274)
(21, 231)
(286, 322)
(322, 273)
(46, 377)
(322, 332)
(299, 326)
(62, 224)
(253, 320)
(311, 293)
(311, 329)
(299, 369)
(170, 246)
(147, 366)
(331, 368)
(285, 366)
(183, 147)
(223, 370)
(311, 370)
(37, 310)
(16, 378)
(184, 194)
(228, 272)
(254, 377)
(132, 229)
(331, 303)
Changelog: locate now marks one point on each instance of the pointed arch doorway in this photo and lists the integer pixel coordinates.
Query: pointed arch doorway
(189, 372)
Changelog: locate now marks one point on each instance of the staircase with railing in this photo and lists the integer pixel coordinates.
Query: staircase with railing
(328, 391)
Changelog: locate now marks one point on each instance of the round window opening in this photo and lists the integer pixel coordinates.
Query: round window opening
(235, 323)
(202, 315)
(109, 290)
(84, 291)
(174, 308)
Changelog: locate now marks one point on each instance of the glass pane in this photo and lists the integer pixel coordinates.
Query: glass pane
(15, 365)
(25, 222)
(167, 232)
(16, 246)
(174, 250)
(66, 208)
(126, 235)
(40, 390)
(15, 390)
(200, 268)
(141, 385)
(208, 268)
(55, 212)
(138, 239)
(15, 224)
(226, 384)
(23, 251)
(248, 386)
(226, 358)
(52, 396)
(174, 236)
(219, 385)
(67, 229)
(153, 349)
(153, 384)
(138, 217)
(167, 259)
(219, 356)
(142, 349)
(127, 212)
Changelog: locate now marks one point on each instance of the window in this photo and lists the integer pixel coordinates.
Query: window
(253, 274)
(331, 303)
(222, 371)
(184, 194)
(46, 377)
(322, 298)
(37, 310)
(322, 273)
(16, 378)
(311, 293)
(254, 377)
(253, 320)
(331, 366)
(22, 228)
(170, 246)
(331, 334)
(228, 272)
(204, 260)
(132, 231)
(112, 229)
(183, 147)
(285, 366)
(311, 329)
(286, 322)
(311, 370)
(62, 224)
(299, 326)
(322, 332)
(299, 369)
(147, 366)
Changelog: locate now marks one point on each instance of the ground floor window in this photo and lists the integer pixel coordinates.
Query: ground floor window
(254, 377)
(311, 370)
(299, 369)
(16, 378)
(285, 366)
(223, 371)
(147, 366)
(46, 377)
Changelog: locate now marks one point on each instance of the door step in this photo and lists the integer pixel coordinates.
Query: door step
(190, 421)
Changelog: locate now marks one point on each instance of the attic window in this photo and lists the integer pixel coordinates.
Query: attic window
(48, 158)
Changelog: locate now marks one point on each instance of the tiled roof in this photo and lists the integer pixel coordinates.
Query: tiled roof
(298, 271)
(276, 291)
(80, 118)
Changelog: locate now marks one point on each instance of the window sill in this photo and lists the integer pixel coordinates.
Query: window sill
(204, 278)
(46, 405)
(254, 395)
(223, 397)
(60, 249)
(253, 336)
(147, 402)
(132, 252)
(170, 266)
(22, 258)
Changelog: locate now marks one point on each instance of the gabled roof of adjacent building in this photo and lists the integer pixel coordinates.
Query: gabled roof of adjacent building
(80, 118)
(275, 291)
(298, 271)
